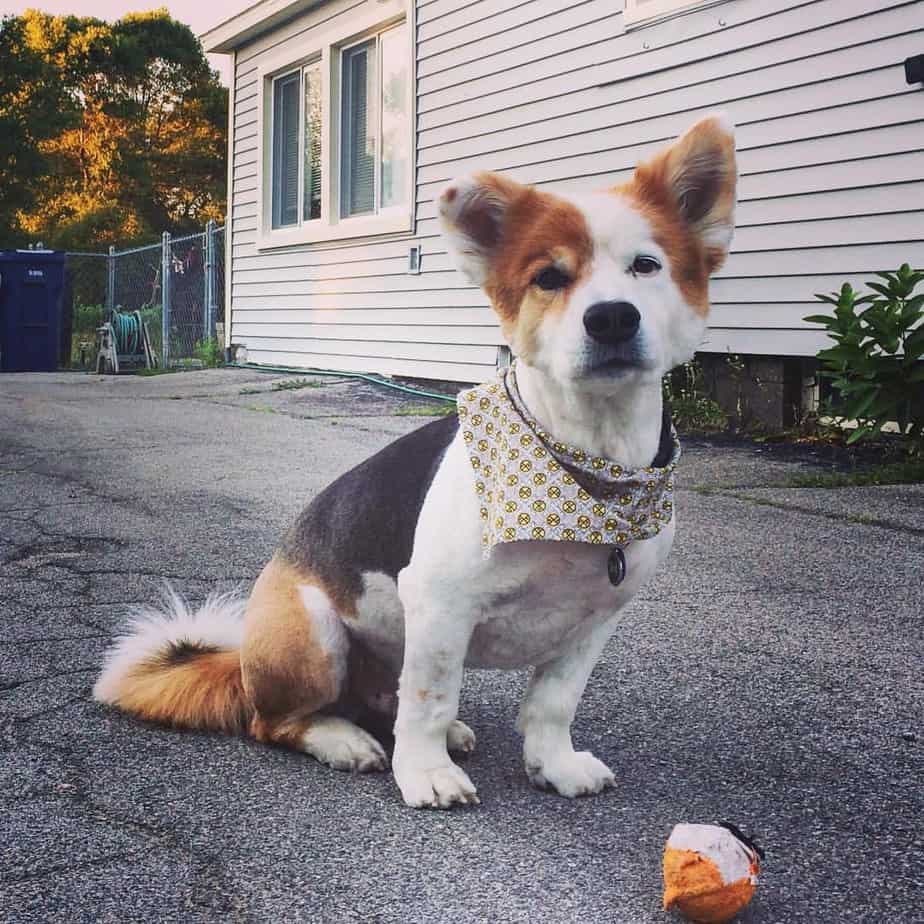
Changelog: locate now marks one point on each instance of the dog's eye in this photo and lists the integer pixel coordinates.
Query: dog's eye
(551, 279)
(645, 266)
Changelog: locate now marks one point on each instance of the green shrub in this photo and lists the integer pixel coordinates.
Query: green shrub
(84, 322)
(875, 365)
(692, 409)
(209, 353)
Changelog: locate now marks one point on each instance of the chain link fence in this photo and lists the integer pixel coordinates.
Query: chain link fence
(178, 286)
(86, 283)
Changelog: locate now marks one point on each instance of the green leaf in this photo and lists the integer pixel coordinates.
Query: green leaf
(914, 345)
(858, 434)
(859, 407)
(825, 319)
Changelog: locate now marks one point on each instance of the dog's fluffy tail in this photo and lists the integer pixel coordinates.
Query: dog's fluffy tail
(180, 667)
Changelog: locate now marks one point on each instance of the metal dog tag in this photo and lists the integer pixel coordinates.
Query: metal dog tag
(616, 566)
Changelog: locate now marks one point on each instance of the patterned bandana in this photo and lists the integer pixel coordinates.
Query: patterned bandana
(533, 488)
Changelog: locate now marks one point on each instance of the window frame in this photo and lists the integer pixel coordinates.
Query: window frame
(379, 64)
(325, 45)
(654, 10)
(300, 70)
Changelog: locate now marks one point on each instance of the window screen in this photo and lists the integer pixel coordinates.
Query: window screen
(359, 119)
(285, 150)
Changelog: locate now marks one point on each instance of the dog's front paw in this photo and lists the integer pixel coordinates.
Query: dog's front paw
(571, 774)
(436, 787)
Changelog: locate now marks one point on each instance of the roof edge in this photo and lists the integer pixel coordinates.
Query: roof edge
(252, 22)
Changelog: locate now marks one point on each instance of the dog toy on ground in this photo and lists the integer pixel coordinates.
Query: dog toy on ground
(710, 872)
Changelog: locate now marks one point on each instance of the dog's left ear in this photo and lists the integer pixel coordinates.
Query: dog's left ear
(473, 214)
(698, 176)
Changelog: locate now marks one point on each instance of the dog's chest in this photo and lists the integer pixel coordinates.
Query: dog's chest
(526, 602)
(538, 596)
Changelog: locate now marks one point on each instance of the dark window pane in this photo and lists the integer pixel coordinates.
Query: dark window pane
(359, 122)
(285, 151)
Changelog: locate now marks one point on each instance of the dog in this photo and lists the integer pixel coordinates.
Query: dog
(409, 567)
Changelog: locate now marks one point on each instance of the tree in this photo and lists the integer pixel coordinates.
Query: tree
(138, 145)
(33, 108)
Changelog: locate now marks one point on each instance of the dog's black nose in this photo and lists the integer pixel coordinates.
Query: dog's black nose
(611, 322)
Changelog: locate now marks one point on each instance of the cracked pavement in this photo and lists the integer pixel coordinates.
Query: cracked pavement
(772, 677)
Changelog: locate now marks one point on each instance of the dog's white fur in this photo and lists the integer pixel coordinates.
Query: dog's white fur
(218, 623)
(564, 617)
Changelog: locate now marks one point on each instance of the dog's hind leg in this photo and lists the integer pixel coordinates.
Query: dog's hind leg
(294, 662)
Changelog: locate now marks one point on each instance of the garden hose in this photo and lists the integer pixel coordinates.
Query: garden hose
(418, 392)
(127, 331)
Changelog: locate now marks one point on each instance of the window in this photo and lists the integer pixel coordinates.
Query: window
(338, 137)
(296, 150)
(375, 128)
(643, 10)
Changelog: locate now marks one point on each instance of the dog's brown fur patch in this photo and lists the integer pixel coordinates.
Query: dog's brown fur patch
(202, 690)
(682, 192)
(286, 670)
(538, 229)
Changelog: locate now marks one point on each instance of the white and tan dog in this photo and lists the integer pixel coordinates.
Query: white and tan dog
(383, 575)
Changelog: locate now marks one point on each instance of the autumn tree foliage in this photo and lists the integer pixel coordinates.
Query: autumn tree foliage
(109, 132)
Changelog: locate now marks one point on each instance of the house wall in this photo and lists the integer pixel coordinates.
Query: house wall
(830, 139)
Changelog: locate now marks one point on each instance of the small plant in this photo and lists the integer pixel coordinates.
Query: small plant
(691, 407)
(209, 353)
(426, 410)
(296, 384)
(875, 365)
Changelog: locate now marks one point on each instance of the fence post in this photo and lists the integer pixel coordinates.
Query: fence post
(166, 270)
(110, 280)
(209, 313)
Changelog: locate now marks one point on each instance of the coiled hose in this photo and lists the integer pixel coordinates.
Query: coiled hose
(127, 331)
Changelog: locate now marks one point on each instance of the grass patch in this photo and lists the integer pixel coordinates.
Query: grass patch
(905, 471)
(426, 410)
(296, 384)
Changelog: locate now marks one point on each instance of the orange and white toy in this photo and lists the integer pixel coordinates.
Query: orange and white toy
(710, 872)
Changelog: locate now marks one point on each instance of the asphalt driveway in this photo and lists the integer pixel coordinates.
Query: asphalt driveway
(772, 677)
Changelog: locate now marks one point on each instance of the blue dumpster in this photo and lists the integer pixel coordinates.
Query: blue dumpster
(31, 309)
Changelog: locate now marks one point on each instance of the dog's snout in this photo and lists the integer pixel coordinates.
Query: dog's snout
(611, 322)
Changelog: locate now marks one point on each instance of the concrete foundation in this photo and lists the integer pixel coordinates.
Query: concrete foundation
(760, 392)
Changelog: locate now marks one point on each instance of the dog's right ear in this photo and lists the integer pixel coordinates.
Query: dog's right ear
(473, 213)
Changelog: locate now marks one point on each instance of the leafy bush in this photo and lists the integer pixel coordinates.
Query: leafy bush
(84, 322)
(875, 365)
(692, 409)
(209, 353)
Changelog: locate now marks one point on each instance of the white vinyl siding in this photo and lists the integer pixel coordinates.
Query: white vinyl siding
(642, 10)
(830, 140)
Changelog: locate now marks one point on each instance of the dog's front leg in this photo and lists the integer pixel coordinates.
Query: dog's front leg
(546, 715)
(428, 701)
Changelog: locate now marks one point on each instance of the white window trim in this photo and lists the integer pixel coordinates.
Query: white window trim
(635, 13)
(326, 45)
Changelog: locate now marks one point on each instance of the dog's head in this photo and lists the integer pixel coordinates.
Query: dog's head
(596, 288)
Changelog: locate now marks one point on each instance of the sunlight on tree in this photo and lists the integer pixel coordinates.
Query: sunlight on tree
(109, 132)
